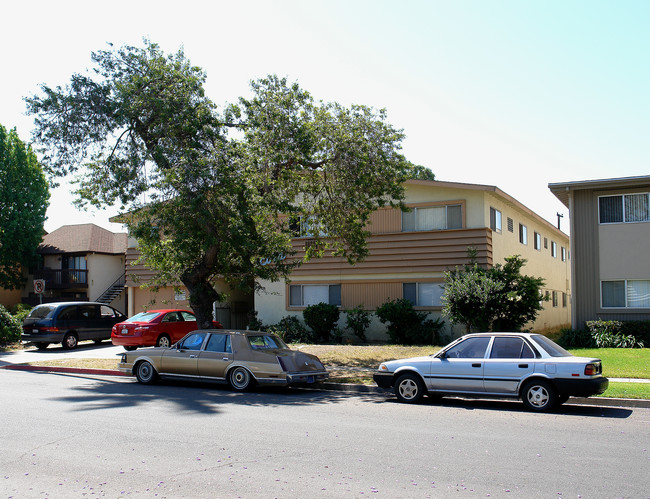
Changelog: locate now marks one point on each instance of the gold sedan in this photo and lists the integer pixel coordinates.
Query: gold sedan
(239, 358)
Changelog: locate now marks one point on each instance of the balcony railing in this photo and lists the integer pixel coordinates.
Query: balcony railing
(63, 279)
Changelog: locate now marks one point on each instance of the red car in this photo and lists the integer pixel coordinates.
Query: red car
(160, 328)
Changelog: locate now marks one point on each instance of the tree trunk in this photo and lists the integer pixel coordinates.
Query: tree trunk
(202, 297)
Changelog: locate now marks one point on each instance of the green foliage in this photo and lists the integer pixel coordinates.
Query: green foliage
(576, 338)
(21, 311)
(639, 329)
(407, 326)
(218, 184)
(291, 330)
(495, 299)
(358, 319)
(10, 328)
(24, 199)
(322, 319)
(608, 334)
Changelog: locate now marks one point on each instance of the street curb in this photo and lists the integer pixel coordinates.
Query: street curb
(339, 387)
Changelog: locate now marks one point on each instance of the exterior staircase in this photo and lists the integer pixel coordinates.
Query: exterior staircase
(113, 291)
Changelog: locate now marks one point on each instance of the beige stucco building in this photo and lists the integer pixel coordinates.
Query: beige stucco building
(409, 253)
(610, 236)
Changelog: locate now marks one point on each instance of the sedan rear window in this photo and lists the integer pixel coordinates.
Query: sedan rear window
(550, 347)
(142, 317)
(265, 342)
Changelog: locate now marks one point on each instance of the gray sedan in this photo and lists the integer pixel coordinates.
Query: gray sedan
(505, 365)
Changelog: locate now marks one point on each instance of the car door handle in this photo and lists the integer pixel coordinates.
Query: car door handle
(476, 365)
(225, 358)
(523, 366)
(192, 356)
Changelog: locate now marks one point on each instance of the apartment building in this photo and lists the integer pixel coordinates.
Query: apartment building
(610, 236)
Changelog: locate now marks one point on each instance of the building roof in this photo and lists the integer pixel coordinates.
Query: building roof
(84, 238)
(561, 190)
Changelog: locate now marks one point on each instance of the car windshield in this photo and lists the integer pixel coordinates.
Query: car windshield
(266, 341)
(41, 311)
(550, 347)
(143, 317)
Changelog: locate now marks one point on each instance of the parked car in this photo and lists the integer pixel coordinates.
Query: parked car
(161, 328)
(69, 323)
(504, 365)
(239, 358)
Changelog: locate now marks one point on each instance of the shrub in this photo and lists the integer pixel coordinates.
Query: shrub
(638, 329)
(322, 319)
(291, 330)
(576, 338)
(406, 325)
(608, 334)
(10, 328)
(358, 319)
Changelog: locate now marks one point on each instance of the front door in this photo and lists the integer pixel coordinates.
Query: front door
(182, 360)
(460, 369)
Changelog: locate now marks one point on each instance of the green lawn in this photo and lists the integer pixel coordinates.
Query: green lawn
(627, 391)
(620, 362)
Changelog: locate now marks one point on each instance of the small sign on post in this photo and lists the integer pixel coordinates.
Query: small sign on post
(39, 288)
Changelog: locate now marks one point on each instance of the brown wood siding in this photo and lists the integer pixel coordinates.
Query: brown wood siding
(385, 220)
(426, 251)
(584, 232)
(136, 274)
(370, 295)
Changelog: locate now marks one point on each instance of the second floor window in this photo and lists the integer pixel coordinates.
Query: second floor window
(627, 208)
(538, 241)
(523, 234)
(433, 218)
(495, 219)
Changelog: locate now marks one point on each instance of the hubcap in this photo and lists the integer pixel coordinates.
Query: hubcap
(408, 389)
(538, 396)
(240, 378)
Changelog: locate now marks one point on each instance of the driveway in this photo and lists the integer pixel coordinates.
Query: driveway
(85, 350)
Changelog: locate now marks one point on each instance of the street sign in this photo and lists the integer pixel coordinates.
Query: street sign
(39, 286)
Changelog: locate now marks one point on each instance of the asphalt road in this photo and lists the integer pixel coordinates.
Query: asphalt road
(66, 435)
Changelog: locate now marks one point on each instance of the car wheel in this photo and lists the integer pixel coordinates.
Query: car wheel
(42, 346)
(164, 341)
(70, 341)
(145, 372)
(539, 396)
(240, 379)
(409, 388)
(130, 348)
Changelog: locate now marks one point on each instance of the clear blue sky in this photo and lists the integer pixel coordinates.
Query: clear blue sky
(515, 94)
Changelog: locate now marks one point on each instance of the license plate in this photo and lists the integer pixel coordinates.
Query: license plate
(125, 331)
(310, 379)
(35, 331)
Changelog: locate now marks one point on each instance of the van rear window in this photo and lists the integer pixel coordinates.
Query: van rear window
(41, 311)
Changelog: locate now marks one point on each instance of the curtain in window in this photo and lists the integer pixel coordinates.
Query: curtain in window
(638, 294)
(613, 293)
(295, 296)
(455, 217)
(636, 208)
(429, 294)
(610, 209)
(431, 218)
(408, 221)
(314, 294)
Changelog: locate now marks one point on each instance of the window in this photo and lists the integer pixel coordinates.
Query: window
(219, 343)
(564, 300)
(187, 317)
(545, 243)
(511, 348)
(433, 218)
(625, 294)
(511, 225)
(495, 219)
(563, 253)
(423, 294)
(306, 227)
(523, 234)
(538, 241)
(627, 208)
(304, 295)
(471, 348)
(553, 249)
(555, 299)
(193, 342)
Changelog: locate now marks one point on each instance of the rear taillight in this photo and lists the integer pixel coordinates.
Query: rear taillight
(592, 369)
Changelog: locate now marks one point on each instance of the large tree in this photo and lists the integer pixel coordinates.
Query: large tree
(217, 192)
(24, 199)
